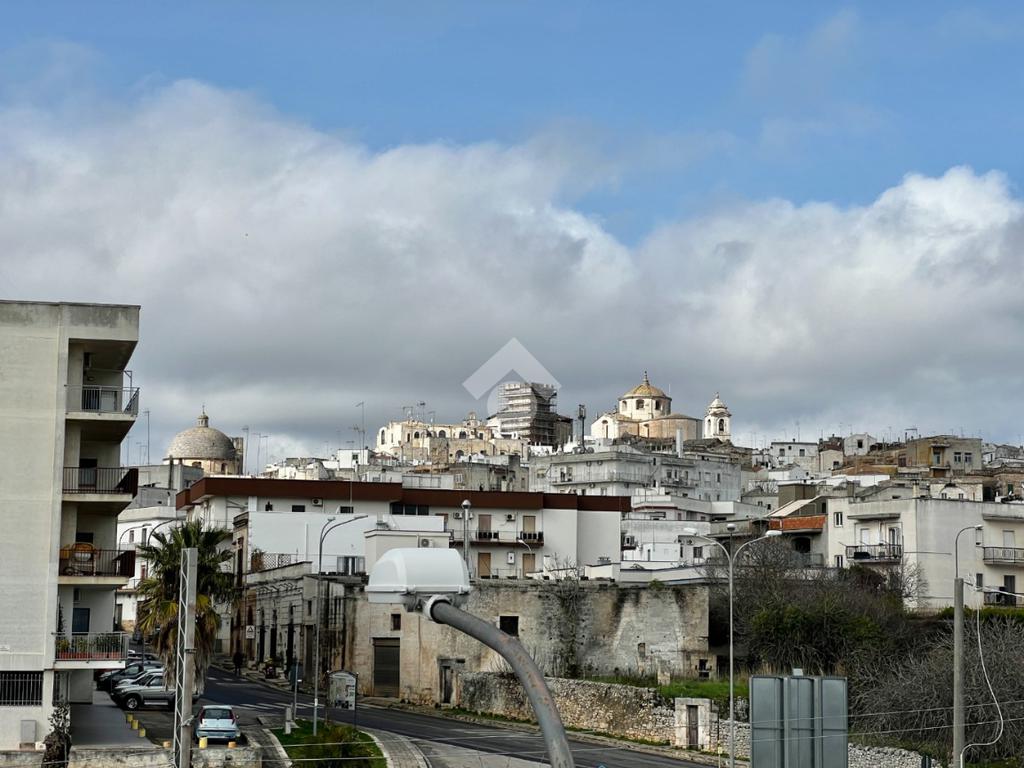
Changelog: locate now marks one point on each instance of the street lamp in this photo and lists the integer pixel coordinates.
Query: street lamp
(731, 558)
(958, 647)
(434, 583)
(324, 530)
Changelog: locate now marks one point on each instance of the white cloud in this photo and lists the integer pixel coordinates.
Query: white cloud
(286, 274)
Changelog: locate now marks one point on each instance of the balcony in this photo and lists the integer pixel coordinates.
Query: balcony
(84, 650)
(78, 561)
(1003, 555)
(106, 412)
(875, 553)
(115, 481)
(500, 538)
(1001, 599)
(101, 489)
(265, 561)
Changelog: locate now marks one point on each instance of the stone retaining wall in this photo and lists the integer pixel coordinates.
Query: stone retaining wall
(617, 710)
(858, 756)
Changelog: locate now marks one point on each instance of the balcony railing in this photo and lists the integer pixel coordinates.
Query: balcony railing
(91, 646)
(99, 399)
(264, 561)
(121, 480)
(500, 573)
(83, 560)
(878, 553)
(1009, 555)
(1002, 599)
(533, 538)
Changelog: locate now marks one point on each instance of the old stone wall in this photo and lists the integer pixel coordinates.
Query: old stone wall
(617, 710)
(858, 756)
(579, 627)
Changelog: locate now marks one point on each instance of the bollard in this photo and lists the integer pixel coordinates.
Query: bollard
(203, 742)
(167, 744)
(135, 725)
(142, 733)
(231, 745)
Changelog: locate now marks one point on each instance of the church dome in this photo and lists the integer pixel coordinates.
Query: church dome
(644, 389)
(202, 442)
(717, 407)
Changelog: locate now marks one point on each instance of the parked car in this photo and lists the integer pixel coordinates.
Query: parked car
(108, 680)
(146, 691)
(216, 722)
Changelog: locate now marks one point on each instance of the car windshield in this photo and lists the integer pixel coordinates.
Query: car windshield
(218, 713)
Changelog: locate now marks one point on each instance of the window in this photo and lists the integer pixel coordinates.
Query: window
(782, 451)
(979, 581)
(509, 625)
(721, 425)
(698, 553)
(131, 536)
(298, 507)
(145, 534)
(956, 457)
(641, 650)
(143, 571)
(803, 452)
(718, 477)
(968, 458)
(269, 507)
(309, 607)
(839, 561)
(21, 689)
(442, 433)
(860, 443)
(396, 622)
(837, 518)
(398, 508)
(657, 405)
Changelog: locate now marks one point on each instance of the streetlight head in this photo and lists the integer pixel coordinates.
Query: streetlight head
(977, 527)
(730, 527)
(466, 505)
(411, 576)
(772, 533)
(689, 531)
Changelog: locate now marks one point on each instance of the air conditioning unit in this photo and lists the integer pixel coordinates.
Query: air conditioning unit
(511, 558)
(510, 517)
(426, 543)
(457, 515)
(317, 502)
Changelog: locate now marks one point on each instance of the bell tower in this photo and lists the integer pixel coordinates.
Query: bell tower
(718, 420)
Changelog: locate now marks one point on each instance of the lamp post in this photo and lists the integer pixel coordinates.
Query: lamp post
(324, 530)
(958, 647)
(467, 511)
(731, 558)
(520, 541)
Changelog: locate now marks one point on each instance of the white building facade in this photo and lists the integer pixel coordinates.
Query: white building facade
(65, 408)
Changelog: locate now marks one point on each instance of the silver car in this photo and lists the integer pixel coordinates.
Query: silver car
(217, 721)
(147, 691)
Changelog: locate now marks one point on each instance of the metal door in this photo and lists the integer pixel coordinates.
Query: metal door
(80, 621)
(386, 660)
(447, 677)
(483, 565)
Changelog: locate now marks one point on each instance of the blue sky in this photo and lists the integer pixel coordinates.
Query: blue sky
(812, 208)
(689, 105)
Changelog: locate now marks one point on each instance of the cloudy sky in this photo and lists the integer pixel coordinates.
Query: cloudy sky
(813, 209)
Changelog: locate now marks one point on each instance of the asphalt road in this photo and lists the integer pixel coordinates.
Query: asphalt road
(252, 700)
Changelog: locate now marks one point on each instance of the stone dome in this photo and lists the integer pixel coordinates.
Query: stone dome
(717, 407)
(202, 442)
(644, 389)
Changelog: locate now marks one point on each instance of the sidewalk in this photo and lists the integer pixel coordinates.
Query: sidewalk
(103, 724)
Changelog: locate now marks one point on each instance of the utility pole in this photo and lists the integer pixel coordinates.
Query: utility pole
(184, 651)
(958, 667)
(467, 509)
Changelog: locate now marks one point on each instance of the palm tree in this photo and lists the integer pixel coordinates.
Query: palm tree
(158, 592)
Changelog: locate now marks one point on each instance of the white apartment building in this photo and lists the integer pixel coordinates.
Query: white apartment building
(620, 469)
(66, 403)
(278, 523)
(802, 454)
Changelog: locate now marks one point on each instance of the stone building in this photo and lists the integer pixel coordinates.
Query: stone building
(646, 411)
(570, 627)
(207, 448)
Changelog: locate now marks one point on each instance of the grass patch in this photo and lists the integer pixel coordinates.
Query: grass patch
(716, 690)
(334, 746)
